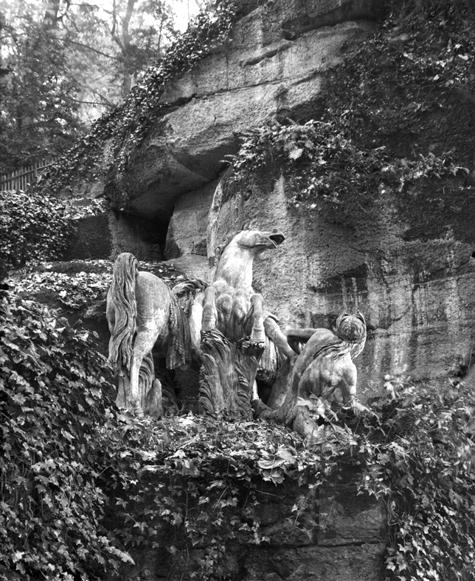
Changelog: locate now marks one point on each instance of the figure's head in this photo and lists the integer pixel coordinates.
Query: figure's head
(258, 240)
(351, 327)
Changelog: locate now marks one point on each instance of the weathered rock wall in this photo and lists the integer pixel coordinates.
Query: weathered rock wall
(272, 65)
(416, 291)
(417, 295)
(186, 232)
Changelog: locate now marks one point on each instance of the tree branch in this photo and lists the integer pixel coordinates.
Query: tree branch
(93, 50)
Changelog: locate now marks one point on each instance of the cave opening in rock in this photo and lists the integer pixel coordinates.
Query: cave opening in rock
(143, 236)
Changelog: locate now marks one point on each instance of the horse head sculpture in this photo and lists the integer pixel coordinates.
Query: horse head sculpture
(236, 329)
(236, 262)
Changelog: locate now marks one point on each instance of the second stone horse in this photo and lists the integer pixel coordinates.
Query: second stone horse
(230, 303)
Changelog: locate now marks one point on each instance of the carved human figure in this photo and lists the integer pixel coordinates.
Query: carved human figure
(324, 370)
(325, 366)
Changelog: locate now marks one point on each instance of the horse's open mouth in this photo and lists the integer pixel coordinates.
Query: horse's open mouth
(277, 238)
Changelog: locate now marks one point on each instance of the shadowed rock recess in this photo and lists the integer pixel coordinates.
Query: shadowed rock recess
(416, 293)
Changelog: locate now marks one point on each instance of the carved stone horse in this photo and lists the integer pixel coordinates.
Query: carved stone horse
(141, 311)
(230, 304)
(236, 311)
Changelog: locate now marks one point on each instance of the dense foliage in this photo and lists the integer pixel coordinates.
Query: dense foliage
(37, 226)
(73, 291)
(53, 396)
(195, 490)
(84, 488)
(39, 100)
(63, 63)
(418, 454)
(394, 122)
(190, 487)
(330, 172)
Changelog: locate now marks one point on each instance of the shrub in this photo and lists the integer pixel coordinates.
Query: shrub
(417, 453)
(192, 487)
(393, 123)
(83, 486)
(328, 171)
(32, 227)
(36, 226)
(53, 396)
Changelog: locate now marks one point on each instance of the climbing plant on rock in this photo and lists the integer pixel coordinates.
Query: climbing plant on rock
(115, 135)
(393, 121)
(417, 455)
(328, 171)
(54, 393)
(36, 226)
(82, 486)
(195, 489)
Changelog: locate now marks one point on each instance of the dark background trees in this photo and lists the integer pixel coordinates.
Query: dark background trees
(64, 63)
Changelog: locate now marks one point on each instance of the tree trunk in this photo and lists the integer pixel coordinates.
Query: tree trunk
(123, 42)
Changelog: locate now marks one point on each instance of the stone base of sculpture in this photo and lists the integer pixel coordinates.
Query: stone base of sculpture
(227, 375)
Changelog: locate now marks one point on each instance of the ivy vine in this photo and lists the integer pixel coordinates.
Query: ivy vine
(328, 171)
(84, 488)
(54, 392)
(35, 226)
(122, 130)
(392, 123)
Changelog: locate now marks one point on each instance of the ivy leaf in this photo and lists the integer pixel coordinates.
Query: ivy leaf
(296, 153)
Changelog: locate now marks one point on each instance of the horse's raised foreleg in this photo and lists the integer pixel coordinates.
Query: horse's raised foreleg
(143, 344)
(274, 333)
(258, 334)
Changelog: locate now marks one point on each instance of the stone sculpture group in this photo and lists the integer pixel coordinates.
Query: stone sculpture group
(227, 332)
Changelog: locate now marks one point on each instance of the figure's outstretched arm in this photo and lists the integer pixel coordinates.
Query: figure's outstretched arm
(274, 333)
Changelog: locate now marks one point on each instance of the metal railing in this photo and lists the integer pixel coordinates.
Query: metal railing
(23, 177)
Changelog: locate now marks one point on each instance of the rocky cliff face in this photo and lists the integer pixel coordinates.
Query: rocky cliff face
(416, 291)
(272, 65)
(417, 296)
